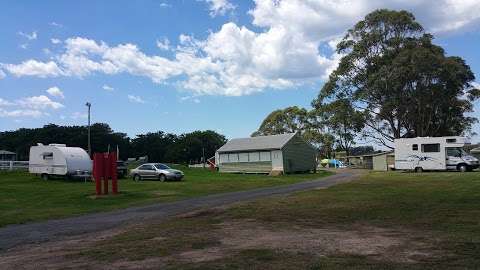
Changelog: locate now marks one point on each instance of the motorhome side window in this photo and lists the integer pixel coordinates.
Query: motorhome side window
(47, 156)
(415, 147)
(431, 148)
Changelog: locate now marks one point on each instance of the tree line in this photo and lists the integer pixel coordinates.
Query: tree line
(158, 146)
(392, 82)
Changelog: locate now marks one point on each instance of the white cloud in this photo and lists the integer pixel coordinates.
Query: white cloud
(55, 24)
(4, 102)
(39, 102)
(135, 99)
(21, 113)
(34, 68)
(163, 44)
(55, 41)
(55, 92)
(31, 36)
(165, 5)
(476, 85)
(2, 74)
(282, 51)
(107, 88)
(219, 7)
(34, 106)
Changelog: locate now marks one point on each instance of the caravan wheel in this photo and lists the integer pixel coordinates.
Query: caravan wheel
(44, 176)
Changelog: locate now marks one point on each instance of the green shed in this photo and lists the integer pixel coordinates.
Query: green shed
(285, 153)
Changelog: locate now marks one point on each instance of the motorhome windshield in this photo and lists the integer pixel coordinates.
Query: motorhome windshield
(456, 152)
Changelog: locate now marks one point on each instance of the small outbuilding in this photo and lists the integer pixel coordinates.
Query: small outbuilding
(283, 153)
(382, 161)
(7, 156)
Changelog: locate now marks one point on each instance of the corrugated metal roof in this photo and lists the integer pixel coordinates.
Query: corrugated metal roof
(5, 152)
(257, 143)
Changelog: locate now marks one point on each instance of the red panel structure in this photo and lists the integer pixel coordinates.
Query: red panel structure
(113, 171)
(98, 171)
(106, 174)
(105, 168)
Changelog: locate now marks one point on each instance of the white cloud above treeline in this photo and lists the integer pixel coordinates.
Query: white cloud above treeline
(34, 106)
(282, 51)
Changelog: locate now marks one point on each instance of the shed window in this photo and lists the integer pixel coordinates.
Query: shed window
(265, 156)
(243, 157)
(431, 148)
(233, 157)
(415, 147)
(254, 156)
(223, 158)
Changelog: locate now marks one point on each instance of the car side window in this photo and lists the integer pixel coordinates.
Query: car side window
(146, 167)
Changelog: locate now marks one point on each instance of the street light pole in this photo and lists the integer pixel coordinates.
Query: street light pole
(88, 104)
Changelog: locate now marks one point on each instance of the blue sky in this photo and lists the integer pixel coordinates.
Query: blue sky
(185, 65)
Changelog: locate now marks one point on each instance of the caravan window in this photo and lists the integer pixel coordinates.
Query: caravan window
(451, 140)
(415, 147)
(431, 148)
(47, 156)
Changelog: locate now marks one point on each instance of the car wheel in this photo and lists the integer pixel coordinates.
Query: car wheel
(162, 178)
(462, 168)
(419, 169)
(137, 178)
(44, 176)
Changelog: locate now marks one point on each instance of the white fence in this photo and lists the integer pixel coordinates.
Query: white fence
(13, 165)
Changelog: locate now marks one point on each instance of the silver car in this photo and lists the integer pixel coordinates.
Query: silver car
(157, 171)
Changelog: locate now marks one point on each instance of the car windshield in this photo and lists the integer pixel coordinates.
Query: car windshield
(161, 166)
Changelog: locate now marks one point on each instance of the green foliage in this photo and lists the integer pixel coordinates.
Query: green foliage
(295, 119)
(19, 141)
(403, 83)
(343, 121)
(158, 146)
(288, 120)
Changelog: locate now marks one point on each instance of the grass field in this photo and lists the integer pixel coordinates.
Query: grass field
(26, 198)
(383, 221)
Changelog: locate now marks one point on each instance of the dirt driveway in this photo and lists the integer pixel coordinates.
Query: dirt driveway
(56, 230)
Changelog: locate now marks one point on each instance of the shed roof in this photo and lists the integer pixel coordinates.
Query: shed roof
(257, 143)
(5, 152)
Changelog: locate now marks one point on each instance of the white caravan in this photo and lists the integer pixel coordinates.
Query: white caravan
(433, 153)
(58, 159)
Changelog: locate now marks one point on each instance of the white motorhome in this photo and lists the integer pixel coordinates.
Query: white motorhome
(433, 153)
(58, 159)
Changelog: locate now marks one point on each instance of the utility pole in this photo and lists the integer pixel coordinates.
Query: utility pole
(88, 104)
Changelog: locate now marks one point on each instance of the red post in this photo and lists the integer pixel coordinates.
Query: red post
(113, 174)
(98, 168)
